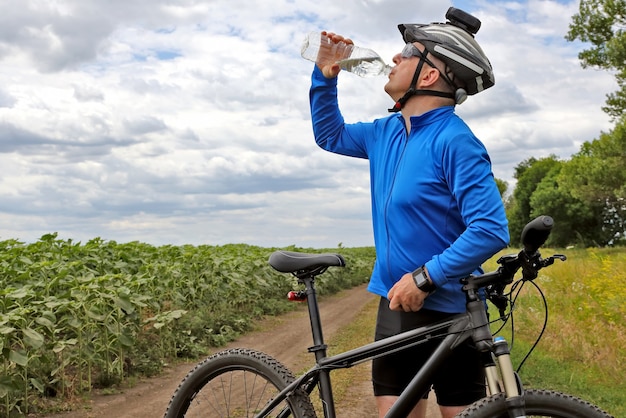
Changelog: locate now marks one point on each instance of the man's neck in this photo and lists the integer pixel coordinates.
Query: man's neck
(419, 105)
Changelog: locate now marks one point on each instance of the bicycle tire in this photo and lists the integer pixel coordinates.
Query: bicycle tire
(236, 383)
(539, 403)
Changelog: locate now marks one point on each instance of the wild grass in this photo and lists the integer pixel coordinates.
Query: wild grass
(347, 383)
(583, 350)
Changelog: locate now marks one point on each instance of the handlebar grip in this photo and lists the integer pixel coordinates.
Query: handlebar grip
(536, 232)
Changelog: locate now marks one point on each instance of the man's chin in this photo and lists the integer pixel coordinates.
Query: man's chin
(389, 90)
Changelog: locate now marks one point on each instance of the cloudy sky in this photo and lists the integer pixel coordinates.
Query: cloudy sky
(187, 121)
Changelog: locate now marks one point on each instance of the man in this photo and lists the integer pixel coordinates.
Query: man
(437, 213)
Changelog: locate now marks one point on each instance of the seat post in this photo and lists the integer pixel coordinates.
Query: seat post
(319, 348)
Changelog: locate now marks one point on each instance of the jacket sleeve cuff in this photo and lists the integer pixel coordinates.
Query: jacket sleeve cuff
(318, 77)
(436, 273)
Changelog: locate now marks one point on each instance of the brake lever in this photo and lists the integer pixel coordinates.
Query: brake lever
(550, 260)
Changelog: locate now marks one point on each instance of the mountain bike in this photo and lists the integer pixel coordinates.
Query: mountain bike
(243, 382)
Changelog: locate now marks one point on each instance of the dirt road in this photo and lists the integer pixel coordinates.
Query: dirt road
(285, 338)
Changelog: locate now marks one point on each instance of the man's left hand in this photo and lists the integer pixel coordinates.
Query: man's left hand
(405, 296)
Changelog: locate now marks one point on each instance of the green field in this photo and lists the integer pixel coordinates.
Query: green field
(75, 317)
(79, 316)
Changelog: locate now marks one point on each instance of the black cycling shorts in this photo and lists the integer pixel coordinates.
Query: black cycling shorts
(460, 381)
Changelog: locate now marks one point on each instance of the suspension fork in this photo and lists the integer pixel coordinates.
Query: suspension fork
(486, 344)
(503, 354)
(491, 374)
(500, 377)
(513, 389)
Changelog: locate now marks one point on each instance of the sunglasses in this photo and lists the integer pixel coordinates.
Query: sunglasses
(411, 50)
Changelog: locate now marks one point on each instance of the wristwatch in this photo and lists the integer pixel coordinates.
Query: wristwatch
(422, 281)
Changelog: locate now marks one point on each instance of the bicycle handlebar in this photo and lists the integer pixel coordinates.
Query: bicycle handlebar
(536, 232)
(534, 235)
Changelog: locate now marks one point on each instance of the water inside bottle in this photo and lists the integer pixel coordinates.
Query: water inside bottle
(365, 66)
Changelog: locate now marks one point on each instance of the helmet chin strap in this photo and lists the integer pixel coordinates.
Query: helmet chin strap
(413, 91)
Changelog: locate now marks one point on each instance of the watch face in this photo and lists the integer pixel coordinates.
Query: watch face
(420, 278)
(421, 281)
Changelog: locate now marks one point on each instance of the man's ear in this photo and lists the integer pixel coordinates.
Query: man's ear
(429, 77)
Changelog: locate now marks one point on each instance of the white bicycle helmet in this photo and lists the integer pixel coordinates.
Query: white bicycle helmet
(453, 43)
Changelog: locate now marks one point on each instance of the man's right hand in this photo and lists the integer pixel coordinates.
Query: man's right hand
(333, 48)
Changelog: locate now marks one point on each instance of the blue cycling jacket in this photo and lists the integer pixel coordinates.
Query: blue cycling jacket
(434, 197)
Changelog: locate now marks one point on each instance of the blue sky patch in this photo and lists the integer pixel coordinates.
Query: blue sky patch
(167, 55)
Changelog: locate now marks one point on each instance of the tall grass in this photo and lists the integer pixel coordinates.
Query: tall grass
(583, 349)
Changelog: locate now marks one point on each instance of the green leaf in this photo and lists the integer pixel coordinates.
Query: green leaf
(37, 384)
(19, 293)
(6, 330)
(32, 338)
(25, 260)
(75, 323)
(123, 302)
(18, 358)
(60, 345)
(54, 304)
(45, 322)
(95, 315)
(177, 314)
(6, 385)
(125, 340)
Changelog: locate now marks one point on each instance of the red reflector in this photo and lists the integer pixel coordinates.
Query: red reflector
(296, 296)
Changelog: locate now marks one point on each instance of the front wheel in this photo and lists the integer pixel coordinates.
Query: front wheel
(539, 403)
(237, 383)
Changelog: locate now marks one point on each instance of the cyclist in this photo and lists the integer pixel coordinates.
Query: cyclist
(436, 210)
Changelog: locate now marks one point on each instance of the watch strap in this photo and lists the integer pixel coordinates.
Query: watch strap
(422, 281)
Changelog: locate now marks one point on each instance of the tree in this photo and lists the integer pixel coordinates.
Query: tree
(597, 176)
(529, 174)
(575, 222)
(565, 191)
(603, 23)
(503, 186)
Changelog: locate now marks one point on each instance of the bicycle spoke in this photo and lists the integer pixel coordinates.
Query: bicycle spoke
(234, 394)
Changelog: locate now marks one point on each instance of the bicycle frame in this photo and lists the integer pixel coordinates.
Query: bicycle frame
(471, 324)
(509, 397)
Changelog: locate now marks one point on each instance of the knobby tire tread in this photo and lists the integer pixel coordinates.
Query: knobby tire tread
(538, 403)
(238, 359)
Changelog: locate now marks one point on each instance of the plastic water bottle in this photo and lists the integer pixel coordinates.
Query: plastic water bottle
(362, 61)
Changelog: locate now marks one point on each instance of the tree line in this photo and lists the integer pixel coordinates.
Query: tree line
(586, 193)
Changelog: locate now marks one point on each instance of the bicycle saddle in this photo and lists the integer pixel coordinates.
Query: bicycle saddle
(290, 261)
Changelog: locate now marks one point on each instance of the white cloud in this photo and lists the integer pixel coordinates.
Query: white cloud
(188, 122)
